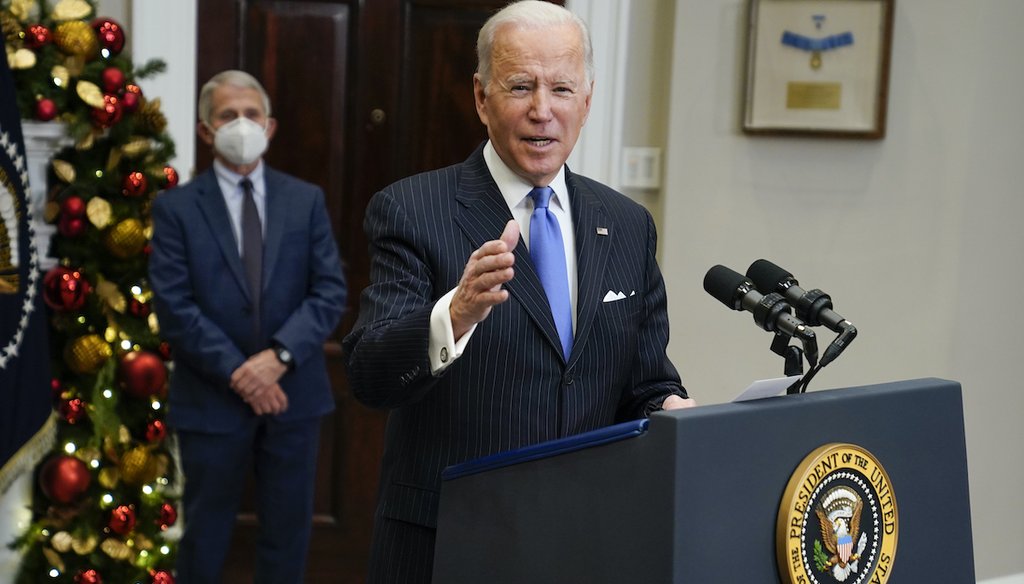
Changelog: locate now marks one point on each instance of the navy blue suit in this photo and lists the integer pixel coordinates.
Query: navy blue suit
(205, 313)
(511, 387)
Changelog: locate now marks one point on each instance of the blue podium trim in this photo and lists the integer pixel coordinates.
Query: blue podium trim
(590, 439)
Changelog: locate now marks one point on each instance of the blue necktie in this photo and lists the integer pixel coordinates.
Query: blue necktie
(548, 253)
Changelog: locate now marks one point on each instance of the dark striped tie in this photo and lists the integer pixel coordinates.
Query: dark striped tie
(252, 251)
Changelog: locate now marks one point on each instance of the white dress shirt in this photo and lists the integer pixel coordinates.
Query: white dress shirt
(228, 181)
(443, 347)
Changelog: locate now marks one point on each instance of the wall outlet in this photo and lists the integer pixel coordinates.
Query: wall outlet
(641, 168)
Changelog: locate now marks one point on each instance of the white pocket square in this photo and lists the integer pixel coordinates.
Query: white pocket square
(615, 296)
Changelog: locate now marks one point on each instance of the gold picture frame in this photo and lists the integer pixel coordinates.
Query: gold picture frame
(818, 67)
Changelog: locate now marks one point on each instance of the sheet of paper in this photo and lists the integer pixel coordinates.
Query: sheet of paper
(766, 388)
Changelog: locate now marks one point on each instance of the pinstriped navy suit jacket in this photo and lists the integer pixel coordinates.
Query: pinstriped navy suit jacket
(511, 386)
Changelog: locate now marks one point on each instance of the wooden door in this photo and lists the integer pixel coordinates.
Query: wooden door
(365, 92)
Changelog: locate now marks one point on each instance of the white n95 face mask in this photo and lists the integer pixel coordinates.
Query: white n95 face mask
(240, 141)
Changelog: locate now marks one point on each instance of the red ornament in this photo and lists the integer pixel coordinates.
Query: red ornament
(46, 109)
(71, 227)
(134, 184)
(110, 35)
(65, 289)
(142, 374)
(89, 576)
(112, 80)
(110, 113)
(122, 519)
(156, 431)
(160, 577)
(170, 177)
(36, 36)
(168, 515)
(165, 351)
(64, 478)
(72, 410)
(56, 388)
(138, 308)
(73, 206)
(130, 101)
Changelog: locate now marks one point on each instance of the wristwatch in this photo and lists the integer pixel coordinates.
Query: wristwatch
(284, 356)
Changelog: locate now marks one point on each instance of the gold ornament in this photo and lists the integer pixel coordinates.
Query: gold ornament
(86, 354)
(154, 324)
(138, 466)
(99, 213)
(87, 141)
(107, 292)
(149, 117)
(109, 477)
(71, 10)
(61, 541)
(116, 549)
(51, 211)
(61, 75)
(9, 26)
(54, 559)
(161, 464)
(84, 547)
(124, 435)
(113, 159)
(125, 239)
(22, 59)
(25, 10)
(142, 542)
(136, 146)
(64, 170)
(89, 92)
(76, 38)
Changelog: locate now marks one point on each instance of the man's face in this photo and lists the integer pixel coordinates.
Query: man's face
(537, 100)
(230, 102)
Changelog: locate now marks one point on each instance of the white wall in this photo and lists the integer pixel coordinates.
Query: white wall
(916, 236)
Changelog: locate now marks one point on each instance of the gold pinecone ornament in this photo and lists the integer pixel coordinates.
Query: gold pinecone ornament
(86, 354)
(76, 37)
(126, 239)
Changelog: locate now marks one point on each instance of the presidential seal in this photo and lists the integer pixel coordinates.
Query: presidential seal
(19, 261)
(838, 520)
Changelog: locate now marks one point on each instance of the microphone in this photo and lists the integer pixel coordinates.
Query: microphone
(770, 311)
(812, 306)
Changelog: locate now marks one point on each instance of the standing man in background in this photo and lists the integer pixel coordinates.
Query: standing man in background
(248, 285)
(478, 344)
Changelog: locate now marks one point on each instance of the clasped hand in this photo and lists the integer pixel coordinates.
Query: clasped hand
(256, 381)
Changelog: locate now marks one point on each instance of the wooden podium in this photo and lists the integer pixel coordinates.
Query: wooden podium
(694, 496)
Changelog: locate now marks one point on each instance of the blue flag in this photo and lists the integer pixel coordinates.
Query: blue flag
(24, 351)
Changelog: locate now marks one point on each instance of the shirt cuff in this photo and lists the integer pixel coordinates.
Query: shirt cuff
(443, 347)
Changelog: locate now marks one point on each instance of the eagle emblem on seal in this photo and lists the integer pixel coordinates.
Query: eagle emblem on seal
(839, 517)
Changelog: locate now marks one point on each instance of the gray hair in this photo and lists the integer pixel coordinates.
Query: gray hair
(234, 78)
(530, 14)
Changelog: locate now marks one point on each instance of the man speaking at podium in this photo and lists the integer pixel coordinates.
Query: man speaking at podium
(511, 301)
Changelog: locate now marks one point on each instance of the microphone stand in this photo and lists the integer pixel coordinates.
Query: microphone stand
(793, 359)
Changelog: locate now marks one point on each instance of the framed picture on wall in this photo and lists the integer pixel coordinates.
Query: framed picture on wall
(818, 67)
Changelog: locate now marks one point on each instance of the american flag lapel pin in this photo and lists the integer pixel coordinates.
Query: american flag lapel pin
(602, 231)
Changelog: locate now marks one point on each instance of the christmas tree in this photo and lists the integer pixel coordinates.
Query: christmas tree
(105, 496)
